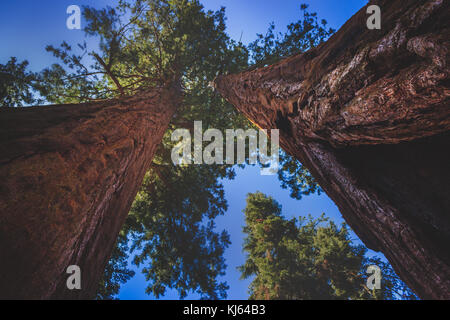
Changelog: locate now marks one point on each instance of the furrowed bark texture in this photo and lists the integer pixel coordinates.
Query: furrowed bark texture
(69, 174)
(367, 113)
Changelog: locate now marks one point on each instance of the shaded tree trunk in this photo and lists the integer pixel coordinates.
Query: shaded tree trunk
(367, 113)
(69, 174)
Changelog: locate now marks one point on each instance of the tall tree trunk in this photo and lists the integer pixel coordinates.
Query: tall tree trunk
(367, 113)
(69, 174)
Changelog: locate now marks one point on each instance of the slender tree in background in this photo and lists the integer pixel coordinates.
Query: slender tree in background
(307, 258)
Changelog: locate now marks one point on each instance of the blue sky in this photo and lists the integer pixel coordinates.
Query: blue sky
(27, 26)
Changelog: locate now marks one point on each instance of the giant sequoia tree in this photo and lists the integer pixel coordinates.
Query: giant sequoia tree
(367, 113)
(69, 176)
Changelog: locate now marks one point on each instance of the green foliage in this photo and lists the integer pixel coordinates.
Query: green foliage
(143, 44)
(72, 82)
(116, 271)
(173, 232)
(307, 258)
(295, 177)
(392, 287)
(301, 36)
(16, 84)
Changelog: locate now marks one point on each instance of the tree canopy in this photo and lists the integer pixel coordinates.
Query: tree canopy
(17, 84)
(308, 258)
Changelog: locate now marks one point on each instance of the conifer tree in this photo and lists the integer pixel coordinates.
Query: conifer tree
(308, 258)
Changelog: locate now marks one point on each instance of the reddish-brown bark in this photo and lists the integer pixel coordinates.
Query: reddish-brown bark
(69, 175)
(368, 113)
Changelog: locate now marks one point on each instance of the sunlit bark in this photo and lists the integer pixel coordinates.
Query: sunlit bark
(69, 174)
